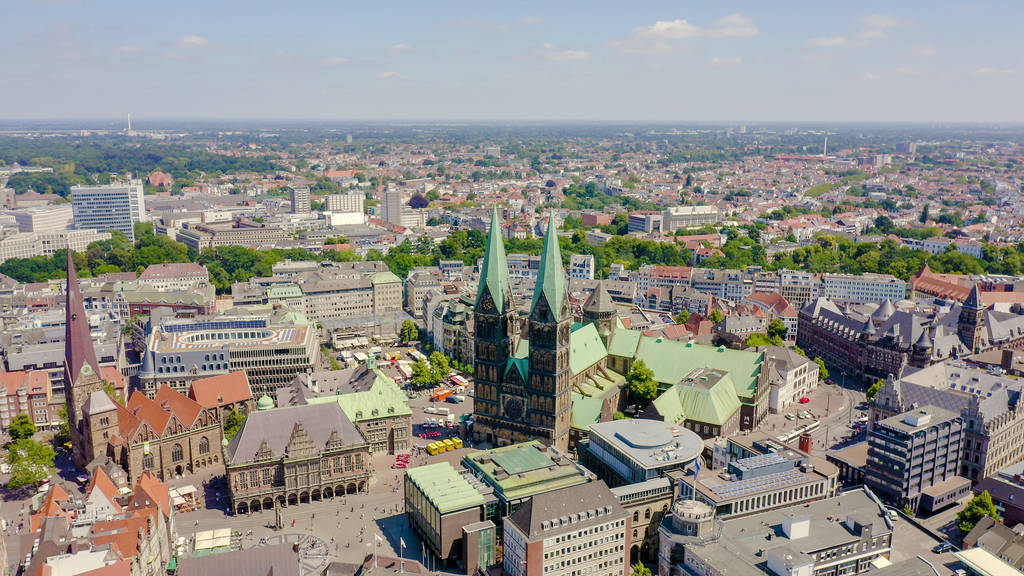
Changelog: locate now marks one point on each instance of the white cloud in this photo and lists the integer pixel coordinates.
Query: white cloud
(871, 76)
(725, 61)
(192, 42)
(658, 37)
(524, 21)
(876, 25)
(733, 26)
(334, 61)
(552, 52)
(128, 49)
(925, 50)
(906, 71)
(388, 74)
(399, 48)
(988, 72)
(826, 41)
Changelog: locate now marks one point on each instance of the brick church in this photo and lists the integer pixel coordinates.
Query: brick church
(168, 435)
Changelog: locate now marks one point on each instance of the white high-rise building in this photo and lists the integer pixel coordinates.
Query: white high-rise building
(43, 218)
(350, 202)
(300, 200)
(392, 205)
(111, 207)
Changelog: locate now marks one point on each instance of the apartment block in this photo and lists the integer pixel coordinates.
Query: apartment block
(112, 207)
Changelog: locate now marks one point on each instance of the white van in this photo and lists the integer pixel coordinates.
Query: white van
(443, 410)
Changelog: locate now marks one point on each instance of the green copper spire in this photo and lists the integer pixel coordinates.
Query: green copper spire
(495, 273)
(551, 278)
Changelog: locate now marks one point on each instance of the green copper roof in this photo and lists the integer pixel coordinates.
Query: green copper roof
(551, 277)
(585, 348)
(265, 403)
(522, 470)
(714, 405)
(586, 410)
(383, 399)
(443, 486)
(495, 273)
(672, 360)
(385, 278)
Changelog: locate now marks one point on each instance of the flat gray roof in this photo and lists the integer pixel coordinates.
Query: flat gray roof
(651, 443)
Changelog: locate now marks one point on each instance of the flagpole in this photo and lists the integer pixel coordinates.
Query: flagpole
(401, 555)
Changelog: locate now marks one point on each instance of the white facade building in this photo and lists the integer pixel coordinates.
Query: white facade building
(863, 288)
(111, 207)
(44, 218)
(581, 266)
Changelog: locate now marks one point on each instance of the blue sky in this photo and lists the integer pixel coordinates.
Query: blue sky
(553, 60)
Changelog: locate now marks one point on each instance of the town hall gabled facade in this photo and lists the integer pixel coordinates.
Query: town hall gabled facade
(523, 385)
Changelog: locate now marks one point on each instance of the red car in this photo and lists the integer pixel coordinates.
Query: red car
(805, 400)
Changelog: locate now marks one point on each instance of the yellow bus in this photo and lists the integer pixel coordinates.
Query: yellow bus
(457, 442)
(433, 448)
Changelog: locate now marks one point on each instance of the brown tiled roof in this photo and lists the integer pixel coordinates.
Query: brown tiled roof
(185, 409)
(221, 390)
(35, 381)
(150, 491)
(100, 481)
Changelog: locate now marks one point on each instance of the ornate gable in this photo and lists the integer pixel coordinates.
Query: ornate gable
(264, 451)
(335, 441)
(300, 445)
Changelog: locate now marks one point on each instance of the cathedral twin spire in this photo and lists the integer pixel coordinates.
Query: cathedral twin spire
(550, 278)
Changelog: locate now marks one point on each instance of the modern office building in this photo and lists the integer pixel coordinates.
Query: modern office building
(568, 532)
(271, 345)
(440, 501)
(29, 244)
(843, 535)
(679, 217)
(519, 472)
(913, 459)
(44, 218)
(337, 297)
(240, 232)
(300, 200)
(863, 288)
(636, 450)
(26, 393)
(987, 401)
(347, 202)
(111, 207)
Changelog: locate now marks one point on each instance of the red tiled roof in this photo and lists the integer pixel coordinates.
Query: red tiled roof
(51, 507)
(174, 270)
(35, 381)
(113, 375)
(221, 390)
(150, 491)
(118, 568)
(149, 412)
(100, 481)
(123, 534)
(185, 409)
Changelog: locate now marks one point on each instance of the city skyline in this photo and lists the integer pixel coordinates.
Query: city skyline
(652, 62)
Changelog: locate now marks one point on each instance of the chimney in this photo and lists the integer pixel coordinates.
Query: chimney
(1006, 361)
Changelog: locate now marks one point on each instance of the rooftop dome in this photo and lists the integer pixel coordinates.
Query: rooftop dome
(265, 403)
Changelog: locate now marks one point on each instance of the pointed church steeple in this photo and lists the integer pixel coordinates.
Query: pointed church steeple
(551, 277)
(78, 348)
(494, 276)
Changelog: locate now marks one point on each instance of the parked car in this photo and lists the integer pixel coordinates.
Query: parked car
(790, 416)
(942, 547)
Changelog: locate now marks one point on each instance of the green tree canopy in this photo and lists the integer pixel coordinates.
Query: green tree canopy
(423, 375)
(979, 507)
(777, 330)
(716, 316)
(21, 427)
(873, 389)
(683, 317)
(822, 370)
(31, 463)
(641, 384)
(408, 331)
(440, 365)
(232, 423)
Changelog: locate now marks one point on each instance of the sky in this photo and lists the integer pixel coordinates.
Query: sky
(554, 60)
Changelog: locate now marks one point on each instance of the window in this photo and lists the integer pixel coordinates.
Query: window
(147, 461)
(647, 514)
(177, 454)
(636, 516)
(204, 445)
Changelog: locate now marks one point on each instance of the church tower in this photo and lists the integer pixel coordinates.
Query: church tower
(496, 335)
(972, 320)
(548, 389)
(599, 309)
(81, 370)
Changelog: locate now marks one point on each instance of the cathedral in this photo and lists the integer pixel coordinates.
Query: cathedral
(523, 388)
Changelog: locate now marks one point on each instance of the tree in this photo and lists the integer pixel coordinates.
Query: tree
(108, 388)
(822, 370)
(439, 364)
(716, 316)
(979, 507)
(872, 390)
(923, 219)
(64, 429)
(641, 384)
(756, 339)
(423, 376)
(907, 510)
(232, 423)
(683, 317)
(31, 463)
(22, 427)
(640, 570)
(619, 415)
(776, 329)
(408, 332)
